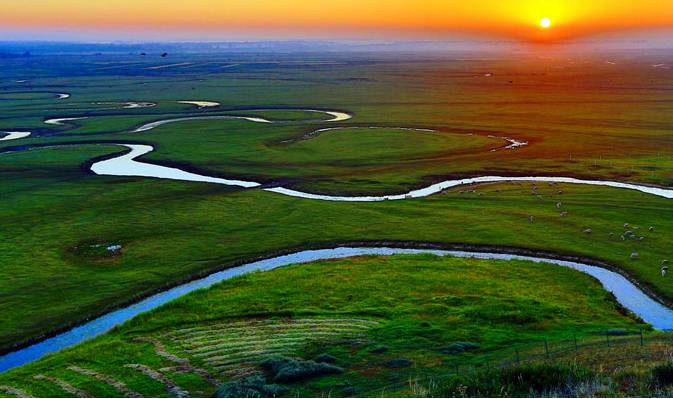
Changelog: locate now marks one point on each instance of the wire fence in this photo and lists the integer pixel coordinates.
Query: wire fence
(639, 343)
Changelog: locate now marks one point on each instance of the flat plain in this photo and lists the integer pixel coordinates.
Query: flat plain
(75, 245)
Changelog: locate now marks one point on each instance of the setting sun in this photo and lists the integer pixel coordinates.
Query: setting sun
(556, 20)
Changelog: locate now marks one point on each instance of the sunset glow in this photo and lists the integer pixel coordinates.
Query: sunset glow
(346, 18)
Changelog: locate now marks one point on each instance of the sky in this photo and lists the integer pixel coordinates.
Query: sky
(87, 20)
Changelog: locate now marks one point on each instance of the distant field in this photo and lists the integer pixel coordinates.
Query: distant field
(366, 313)
(581, 117)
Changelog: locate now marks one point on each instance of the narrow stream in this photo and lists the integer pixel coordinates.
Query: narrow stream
(6, 136)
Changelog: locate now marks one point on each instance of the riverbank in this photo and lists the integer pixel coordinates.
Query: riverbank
(626, 293)
(247, 213)
(343, 292)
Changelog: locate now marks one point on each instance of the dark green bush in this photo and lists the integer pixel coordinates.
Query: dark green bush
(518, 312)
(459, 347)
(380, 349)
(526, 380)
(663, 374)
(351, 391)
(618, 332)
(541, 378)
(325, 358)
(250, 387)
(398, 363)
(285, 369)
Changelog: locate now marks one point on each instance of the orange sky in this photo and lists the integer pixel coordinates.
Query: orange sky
(342, 18)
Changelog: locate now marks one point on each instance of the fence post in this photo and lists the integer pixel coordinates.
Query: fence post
(546, 348)
(607, 337)
(575, 339)
(642, 343)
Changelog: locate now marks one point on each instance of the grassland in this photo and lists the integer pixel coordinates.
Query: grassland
(56, 216)
(581, 117)
(621, 366)
(365, 312)
(171, 231)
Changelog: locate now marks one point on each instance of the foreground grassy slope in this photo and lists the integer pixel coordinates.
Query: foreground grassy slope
(56, 218)
(621, 367)
(383, 318)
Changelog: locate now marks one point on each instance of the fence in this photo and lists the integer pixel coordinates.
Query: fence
(543, 350)
(546, 349)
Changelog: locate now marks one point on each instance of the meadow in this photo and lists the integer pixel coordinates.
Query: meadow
(379, 319)
(436, 117)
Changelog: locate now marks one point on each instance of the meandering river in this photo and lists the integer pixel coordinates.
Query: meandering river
(6, 136)
(630, 296)
(126, 165)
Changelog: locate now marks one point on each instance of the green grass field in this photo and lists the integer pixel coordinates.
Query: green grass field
(57, 218)
(171, 231)
(365, 312)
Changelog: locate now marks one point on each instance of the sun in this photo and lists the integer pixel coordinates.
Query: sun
(545, 23)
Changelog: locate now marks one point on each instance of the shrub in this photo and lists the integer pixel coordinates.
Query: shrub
(285, 369)
(663, 374)
(520, 312)
(351, 391)
(325, 358)
(380, 349)
(543, 378)
(398, 363)
(526, 380)
(618, 332)
(249, 387)
(459, 347)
